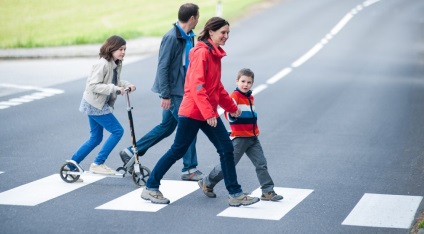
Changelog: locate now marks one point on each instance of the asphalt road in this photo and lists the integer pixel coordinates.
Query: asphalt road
(339, 92)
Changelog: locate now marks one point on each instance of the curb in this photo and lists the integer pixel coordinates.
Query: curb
(139, 46)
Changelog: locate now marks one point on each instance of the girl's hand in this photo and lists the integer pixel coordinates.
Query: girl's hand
(212, 121)
(121, 90)
(132, 88)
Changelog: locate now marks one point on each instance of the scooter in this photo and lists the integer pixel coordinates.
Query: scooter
(71, 171)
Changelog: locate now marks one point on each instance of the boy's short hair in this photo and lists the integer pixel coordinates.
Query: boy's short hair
(246, 72)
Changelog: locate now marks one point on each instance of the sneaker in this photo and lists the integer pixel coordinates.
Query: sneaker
(154, 196)
(125, 159)
(101, 169)
(194, 176)
(124, 156)
(206, 190)
(271, 196)
(242, 200)
(79, 180)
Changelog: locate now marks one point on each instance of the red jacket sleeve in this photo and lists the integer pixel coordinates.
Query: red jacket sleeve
(197, 82)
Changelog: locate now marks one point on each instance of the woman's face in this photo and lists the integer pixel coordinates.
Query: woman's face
(120, 53)
(220, 36)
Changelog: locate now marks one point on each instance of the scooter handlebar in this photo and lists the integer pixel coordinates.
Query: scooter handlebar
(118, 92)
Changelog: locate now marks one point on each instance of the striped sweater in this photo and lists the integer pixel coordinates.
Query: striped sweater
(246, 124)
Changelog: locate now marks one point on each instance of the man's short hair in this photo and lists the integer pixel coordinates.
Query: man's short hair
(186, 11)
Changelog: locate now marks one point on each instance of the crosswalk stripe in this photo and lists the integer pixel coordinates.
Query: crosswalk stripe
(383, 210)
(266, 209)
(42, 190)
(171, 189)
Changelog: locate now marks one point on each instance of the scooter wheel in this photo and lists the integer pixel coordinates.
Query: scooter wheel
(140, 179)
(68, 178)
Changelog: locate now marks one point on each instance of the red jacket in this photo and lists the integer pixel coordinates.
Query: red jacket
(203, 90)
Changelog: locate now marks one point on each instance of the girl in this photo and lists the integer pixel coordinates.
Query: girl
(102, 87)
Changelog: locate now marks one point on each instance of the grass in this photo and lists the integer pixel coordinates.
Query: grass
(41, 23)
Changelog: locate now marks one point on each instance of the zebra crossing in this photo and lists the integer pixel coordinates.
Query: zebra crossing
(372, 210)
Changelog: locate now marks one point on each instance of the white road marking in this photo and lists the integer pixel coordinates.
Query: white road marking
(42, 190)
(314, 50)
(171, 189)
(40, 94)
(266, 209)
(279, 75)
(382, 210)
(1, 172)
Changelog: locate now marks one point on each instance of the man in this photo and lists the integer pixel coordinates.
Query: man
(173, 62)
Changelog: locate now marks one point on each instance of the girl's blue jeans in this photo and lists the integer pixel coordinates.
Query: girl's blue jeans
(187, 130)
(97, 124)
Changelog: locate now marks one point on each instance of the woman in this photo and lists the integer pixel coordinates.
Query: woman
(203, 92)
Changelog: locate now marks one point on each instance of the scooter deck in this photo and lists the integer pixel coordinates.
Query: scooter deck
(116, 175)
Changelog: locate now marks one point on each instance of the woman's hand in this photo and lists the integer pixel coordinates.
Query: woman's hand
(212, 121)
(236, 114)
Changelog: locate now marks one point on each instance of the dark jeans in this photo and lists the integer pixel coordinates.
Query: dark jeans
(163, 130)
(186, 131)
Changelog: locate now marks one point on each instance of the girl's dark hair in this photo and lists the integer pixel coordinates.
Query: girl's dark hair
(186, 11)
(213, 24)
(111, 45)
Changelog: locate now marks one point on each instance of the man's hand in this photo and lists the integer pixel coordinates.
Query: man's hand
(165, 103)
(212, 121)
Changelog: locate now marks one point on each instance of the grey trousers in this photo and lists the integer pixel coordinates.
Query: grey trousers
(253, 149)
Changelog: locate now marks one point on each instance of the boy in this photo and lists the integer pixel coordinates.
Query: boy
(244, 134)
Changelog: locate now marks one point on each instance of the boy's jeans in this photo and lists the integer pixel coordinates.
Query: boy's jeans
(186, 131)
(163, 130)
(97, 124)
(253, 149)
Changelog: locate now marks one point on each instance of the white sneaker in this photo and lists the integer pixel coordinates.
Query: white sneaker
(101, 169)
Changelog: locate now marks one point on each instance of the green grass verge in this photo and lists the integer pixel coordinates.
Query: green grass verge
(421, 224)
(41, 23)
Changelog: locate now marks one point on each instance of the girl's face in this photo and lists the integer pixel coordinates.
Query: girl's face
(119, 53)
(220, 36)
(244, 83)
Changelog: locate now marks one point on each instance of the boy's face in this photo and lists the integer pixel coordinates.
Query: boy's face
(244, 83)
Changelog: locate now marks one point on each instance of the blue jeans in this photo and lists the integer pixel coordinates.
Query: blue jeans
(97, 124)
(253, 149)
(163, 130)
(186, 131)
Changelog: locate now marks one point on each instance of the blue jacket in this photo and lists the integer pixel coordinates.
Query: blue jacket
(170, 75)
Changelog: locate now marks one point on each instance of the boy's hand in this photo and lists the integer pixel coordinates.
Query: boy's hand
(236, 114)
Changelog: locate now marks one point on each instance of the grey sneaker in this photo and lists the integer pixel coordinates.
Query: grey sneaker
(206, 190)
(101, 169)
(154, 196)
(124, 156)
(271, 196)
(194, 176)
(125, 159)
(242, 200)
